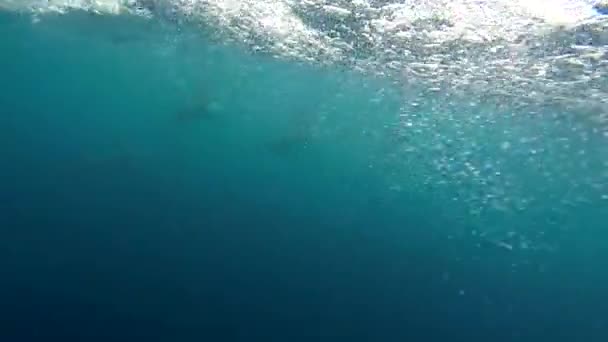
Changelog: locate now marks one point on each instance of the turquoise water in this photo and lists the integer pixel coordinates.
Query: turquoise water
(158, 185)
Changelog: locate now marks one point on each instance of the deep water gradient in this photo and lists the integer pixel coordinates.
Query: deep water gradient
(157, 186)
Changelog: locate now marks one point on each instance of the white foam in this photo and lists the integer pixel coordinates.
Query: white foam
(101, 6)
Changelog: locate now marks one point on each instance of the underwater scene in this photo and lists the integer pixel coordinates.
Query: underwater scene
(318, 170)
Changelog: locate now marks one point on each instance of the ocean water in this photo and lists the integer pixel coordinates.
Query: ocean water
(279, 171)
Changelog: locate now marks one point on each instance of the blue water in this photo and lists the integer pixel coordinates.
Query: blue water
(156, 185)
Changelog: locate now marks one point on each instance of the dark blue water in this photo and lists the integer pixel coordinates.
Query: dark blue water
(158, 186)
